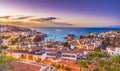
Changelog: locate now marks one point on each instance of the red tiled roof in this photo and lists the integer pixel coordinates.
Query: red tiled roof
(2, 45)
(91, 66)
(21, 66)
(65, 62)
(117, 35)
(111, 47)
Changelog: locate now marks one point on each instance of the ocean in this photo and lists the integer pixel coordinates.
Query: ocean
(58, 33)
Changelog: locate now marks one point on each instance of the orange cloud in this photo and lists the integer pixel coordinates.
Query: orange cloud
(31, 21)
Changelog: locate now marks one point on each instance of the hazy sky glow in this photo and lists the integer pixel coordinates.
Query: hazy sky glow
(78, 13)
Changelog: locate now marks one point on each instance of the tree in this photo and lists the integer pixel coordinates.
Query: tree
(3, 47)
(53, 64)
(116, 59)
(110, 63)
(65, 44)
(5, 63)
(82, 63)
(105, 42)
(67, 68)
(15, 40)
(57, 66)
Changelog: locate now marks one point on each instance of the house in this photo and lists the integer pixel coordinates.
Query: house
(110, 50)
(117, 50)
(88, 43)
(3, 29)
(15, 46)
(65, 54)
(113, 51)
(27, 45)
(27, 55)
(117, 35)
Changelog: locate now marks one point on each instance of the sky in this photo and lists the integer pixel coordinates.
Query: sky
(60, 13)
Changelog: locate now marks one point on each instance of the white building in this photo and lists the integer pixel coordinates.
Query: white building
(3, 29)
(110, 50)
(29, 45)
(72, 56)
(113, 51)
(117, 50)
(65, 54)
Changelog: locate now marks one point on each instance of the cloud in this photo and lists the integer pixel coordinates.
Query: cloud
(15, 17)
(22, 18)
(49, 18)
(36, 19)
(5, 17)
(61, 23)
(50, 21)
(44, 19)
(31, 21)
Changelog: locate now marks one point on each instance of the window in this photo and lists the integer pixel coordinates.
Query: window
(51, 54)
(65, 55)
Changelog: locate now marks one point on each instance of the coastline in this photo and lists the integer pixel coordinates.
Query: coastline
(58, 33)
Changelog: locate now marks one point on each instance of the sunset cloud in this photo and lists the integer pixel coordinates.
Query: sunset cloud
(31, 21)
(63, 13)
(22, 17)
(5, 17)
(50, 20)
(44, 19)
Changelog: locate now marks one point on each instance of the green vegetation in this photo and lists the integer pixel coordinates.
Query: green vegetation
(57, 66)
(5, 63)
(112, 64)
(60, 67)
(68, 68)
(65, 44)
(15, 40)
(4, 36)
(38, 38)
(3, 47)
(101, 62)
(118, 31)
(82, 63)
(53, 64)
(110, 42)
(96, 56)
